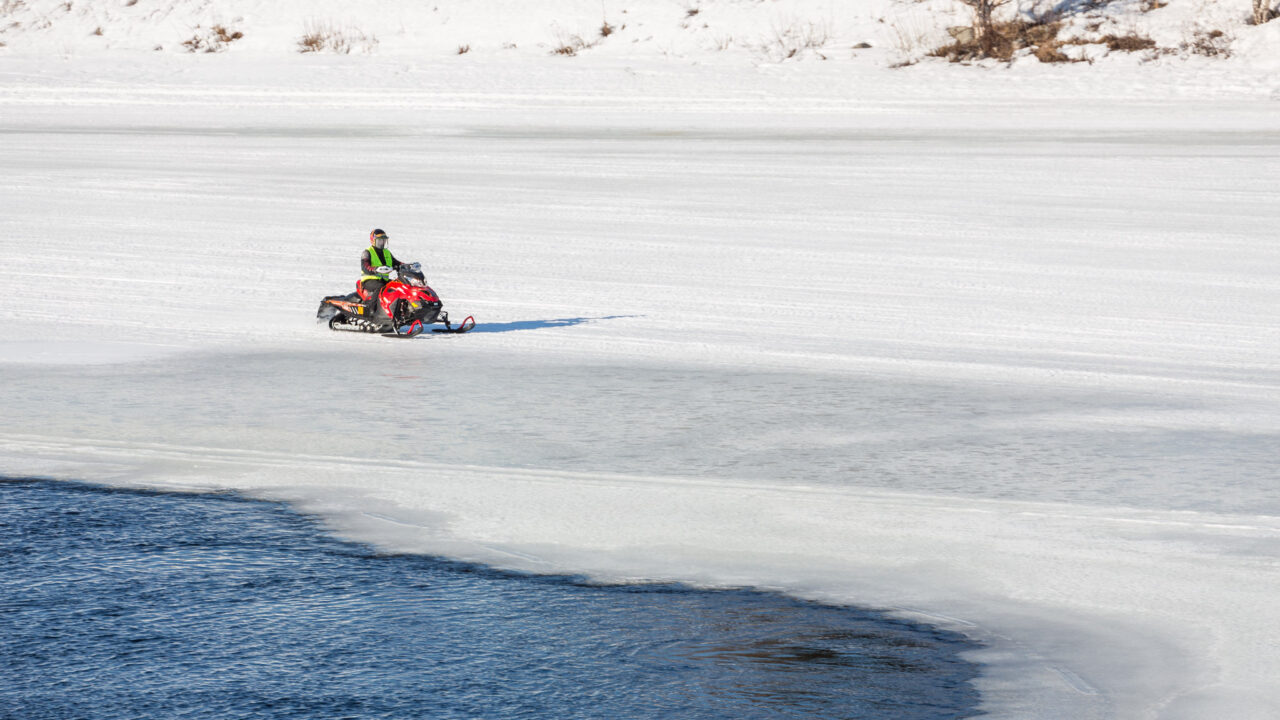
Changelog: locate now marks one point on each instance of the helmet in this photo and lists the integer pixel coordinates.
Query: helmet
(378, 239)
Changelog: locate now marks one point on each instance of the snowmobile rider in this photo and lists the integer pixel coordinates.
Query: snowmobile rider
(377, 255)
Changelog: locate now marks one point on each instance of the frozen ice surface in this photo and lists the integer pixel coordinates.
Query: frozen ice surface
(1003, 361)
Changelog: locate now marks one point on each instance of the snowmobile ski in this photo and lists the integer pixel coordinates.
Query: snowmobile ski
(463, 326)
(413, 329)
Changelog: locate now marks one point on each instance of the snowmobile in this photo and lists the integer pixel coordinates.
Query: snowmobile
(404, 308)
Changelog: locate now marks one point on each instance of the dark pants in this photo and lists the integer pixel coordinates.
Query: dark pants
(374, 289)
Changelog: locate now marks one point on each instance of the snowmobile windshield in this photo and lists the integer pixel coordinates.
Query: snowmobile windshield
(412, 274)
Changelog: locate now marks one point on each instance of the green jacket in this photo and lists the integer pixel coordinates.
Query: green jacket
(374, 258)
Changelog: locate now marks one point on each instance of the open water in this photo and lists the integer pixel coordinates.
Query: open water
(122, 604)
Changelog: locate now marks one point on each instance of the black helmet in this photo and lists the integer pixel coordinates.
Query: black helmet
(378, 239)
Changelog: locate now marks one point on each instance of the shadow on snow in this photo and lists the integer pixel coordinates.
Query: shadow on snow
(541, 324)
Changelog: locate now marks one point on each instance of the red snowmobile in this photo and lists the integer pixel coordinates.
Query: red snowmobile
(404, 308)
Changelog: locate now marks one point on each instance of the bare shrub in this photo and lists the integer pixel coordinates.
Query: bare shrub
(324, 37)
(1037, 29)
(464, 49)
(211, 40)
(990, 43)
(1006, 39)
(1210, 43)
(1262, 12)
(606, 29)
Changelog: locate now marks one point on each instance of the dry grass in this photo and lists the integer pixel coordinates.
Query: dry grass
(464, 49)
(1132, 42)
(914, 34)
(569, 49)
(311, 42)
(1051, 52)
(211, 40)
(1210, 43)
(788, 39)
(571, 46)
(323, 37)
(1041, 37)
(1035, 32)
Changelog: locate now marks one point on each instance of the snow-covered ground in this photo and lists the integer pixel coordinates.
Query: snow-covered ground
(992, 346)
(875, 32)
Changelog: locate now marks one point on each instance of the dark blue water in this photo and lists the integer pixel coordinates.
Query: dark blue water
(121, 604)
